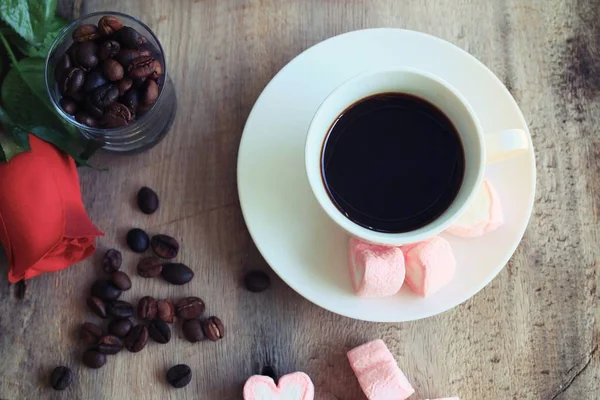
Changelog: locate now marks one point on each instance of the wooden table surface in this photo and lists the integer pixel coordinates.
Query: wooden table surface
(532, 333)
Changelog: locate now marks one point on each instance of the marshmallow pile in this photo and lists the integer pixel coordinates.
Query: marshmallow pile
(427, 266)
(374, 366)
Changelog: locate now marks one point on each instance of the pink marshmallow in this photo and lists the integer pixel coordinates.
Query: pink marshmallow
(296, 386)
(430, 265)
(377, 372)
(377, 271)
(483, 215)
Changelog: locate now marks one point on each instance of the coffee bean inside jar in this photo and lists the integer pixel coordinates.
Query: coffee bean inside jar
(110, 76)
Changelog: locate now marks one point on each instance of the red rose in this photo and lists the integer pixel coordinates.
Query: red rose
(43, 224)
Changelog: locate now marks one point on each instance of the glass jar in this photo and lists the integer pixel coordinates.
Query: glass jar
(144, 131)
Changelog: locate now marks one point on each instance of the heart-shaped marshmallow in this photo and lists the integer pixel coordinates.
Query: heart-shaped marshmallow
(296, 386)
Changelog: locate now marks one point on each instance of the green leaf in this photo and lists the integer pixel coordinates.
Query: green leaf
(8, 147)
(56, 138)
(22, 92)
(52, 29)
(28, 17)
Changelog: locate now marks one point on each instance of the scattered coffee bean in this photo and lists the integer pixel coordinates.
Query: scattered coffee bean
(159, 331)
(179, 376)
(150, 92)
(257, 281)
(85, 32)
(90, 333)
(149, 267)
(120, 327)
(164, 246)
(120, 309)
(138, 240)
(105, 290)
(109, 344)
(124, 85)
(86, 119)
(190, 307)
(21, 289)
(72, 81)
(165, 311)
(137, 338)
(61, 378)
(86, 55)
(109, 24)
(112, 260)
(108, 50)
(94, 359)
(117, 115)
(192, 330)
(113, 70)
(130, 38)
(213, 329)
(147, 308)
(68, 105)
(97, 306)
(147, 200)
(121, 280)
(176, 273)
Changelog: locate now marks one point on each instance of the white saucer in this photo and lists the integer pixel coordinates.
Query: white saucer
(289, 228)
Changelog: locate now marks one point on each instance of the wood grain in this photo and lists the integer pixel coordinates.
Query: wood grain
(533, 333)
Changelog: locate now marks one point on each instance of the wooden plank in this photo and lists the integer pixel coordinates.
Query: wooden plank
(531, 334)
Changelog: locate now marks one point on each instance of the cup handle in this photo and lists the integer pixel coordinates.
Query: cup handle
(505, 144)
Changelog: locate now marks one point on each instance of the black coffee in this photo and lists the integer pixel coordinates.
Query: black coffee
(392, 162)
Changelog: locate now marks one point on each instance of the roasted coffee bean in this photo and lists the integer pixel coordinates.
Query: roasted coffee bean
(97, 306)
(159, 331)
(147, 200)
(85, 32)
(86, 119)
(179, 376)
(147, 308)
(176, 273)
(109, 24)
(257, 281)
(121, 280)
(164, 246)
(165, 311)
(124, 85)
(108, 49)
(192, 330)
(143, 109)
(150, 92)
(142, 67)
(94, 80)
(105, 290)
(92, 109)
(139, 83)
(125, 56)
(116, 115)
(129, 37)
(113, 70)
(158, 70)
(61, 378)
(130, 100)
(90, 333)
(68, 105)
(63, 65)
(94, 359)
(120, 309)
(190, 307)
(213, 329)
(109, 344)
(112, 260)
(137, 338)
(72, 81)
(120, 327)
(86, 55)
(138, 240)
(149, 267)
(105, 95)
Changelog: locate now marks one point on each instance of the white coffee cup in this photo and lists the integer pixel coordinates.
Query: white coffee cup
(479, 147)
